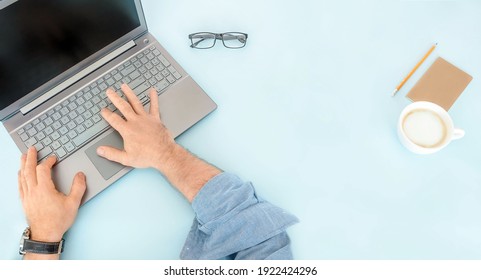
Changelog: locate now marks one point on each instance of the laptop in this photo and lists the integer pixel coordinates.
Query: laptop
(57, 58)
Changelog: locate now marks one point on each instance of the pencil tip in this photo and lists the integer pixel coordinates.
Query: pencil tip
(394, 93)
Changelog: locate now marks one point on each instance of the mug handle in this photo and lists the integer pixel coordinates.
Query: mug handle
(458, 134)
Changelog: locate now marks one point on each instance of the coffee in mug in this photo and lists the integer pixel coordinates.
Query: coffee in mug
(426, 128)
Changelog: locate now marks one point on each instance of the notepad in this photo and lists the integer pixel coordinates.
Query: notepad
(442, 84)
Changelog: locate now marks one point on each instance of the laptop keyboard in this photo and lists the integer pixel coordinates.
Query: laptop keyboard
(76, 120)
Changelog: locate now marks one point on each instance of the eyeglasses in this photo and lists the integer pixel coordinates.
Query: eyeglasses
(206, 40)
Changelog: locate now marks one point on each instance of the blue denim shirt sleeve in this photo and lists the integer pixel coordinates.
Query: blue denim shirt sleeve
(232, 222)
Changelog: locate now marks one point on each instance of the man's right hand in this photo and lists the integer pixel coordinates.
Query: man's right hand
(147, 142)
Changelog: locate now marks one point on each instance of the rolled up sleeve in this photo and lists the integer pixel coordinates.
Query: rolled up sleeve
(232, 222)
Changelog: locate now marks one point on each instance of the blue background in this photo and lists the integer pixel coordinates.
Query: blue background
(304, 113)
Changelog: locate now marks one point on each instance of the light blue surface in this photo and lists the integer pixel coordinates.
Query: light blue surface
(305, 113)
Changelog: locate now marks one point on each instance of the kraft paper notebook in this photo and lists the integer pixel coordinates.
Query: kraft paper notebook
(442, 84)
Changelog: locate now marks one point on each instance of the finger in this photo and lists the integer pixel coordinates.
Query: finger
(133, 99)
(20, 185)
(113, 119)
(154, 103)
(30, 171)
(123, 106)
(79, 185)
(23, 161)
(112, 154)
(44, 170)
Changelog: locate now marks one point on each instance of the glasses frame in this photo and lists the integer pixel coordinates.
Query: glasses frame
(216, 36)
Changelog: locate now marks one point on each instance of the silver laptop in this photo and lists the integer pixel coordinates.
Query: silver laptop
(57, 58)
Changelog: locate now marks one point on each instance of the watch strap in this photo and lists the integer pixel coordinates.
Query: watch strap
(36, 247)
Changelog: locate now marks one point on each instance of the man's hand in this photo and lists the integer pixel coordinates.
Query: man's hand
(146, 140)
(148, 143)
(49, 212)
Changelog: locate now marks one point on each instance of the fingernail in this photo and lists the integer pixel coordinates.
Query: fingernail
(81, 175)
(100, 151)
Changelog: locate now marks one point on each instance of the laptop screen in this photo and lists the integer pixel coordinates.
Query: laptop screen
(41, 39)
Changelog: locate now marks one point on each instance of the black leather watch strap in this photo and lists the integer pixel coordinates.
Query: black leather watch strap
(31, 246)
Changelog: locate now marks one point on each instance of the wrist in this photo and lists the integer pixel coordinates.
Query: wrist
(45, 235)
(168, 157)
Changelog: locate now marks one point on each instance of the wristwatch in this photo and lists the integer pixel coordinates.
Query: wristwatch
(38, 247)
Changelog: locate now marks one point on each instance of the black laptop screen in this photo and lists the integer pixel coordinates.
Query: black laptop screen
(41, 39)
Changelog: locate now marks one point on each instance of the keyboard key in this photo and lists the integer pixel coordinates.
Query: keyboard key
(69, 147)
(152, 81)
(72, 106)
(45, 152)
(96, 119)
(95, 91)
(87, 115)
(24, 137)
(171, 79)
(35, 122)
(48, 121)
(155, 61)
(65, 120)
(140, 55)
(88, 105)
(126, 80)
(80, 101)
(88, 96)
(43, 117)
(30, 142)
(164, 61)
(102, 104)
(142, 69)
(63, 130)
(110, 82)
(56, 116)
(21, 131)
(165, 73)
(31, 132)
(88, 124)
(128, 70)
(72, 115)
(38, 146)
(56, 145)
(118, 77)
(55, 135)
(71, 125)
(47, 141)
(95, 110)
(40, 136)
(159, 77)
(72, 134)
(65, 102)
(161, 86)
(50, 112)
(156, 52)
(56, 125)
(72, 98)
(91, 132)
(160, 67)
(80, 129)
(64, 111)
(152, 48)
(48, 131)
(138, 64)
(60, 153)
(174, 72)
(64, 139)
(135, 83)
(80, 110)
(79, 120)
(96, 99)
(103, 86)
(134, 75)
(150, 56)
(145, 86)
(149, 65)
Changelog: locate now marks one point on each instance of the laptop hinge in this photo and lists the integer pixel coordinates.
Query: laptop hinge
(72, 80)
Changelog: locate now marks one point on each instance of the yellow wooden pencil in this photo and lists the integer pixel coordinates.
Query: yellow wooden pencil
(414, 69)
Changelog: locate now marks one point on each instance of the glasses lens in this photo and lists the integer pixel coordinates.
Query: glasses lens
(203, 40)
(234, 40)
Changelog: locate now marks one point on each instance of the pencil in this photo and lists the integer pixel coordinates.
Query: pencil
(414, 69)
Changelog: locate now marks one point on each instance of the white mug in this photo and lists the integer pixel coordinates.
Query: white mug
(426, 128)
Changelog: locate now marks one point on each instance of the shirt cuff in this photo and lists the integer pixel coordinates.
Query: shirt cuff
(230, 217)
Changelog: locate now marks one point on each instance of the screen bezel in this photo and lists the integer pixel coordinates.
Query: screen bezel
(137, 32)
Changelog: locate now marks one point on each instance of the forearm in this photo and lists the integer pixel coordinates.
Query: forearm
(41, 257)
(185, 171)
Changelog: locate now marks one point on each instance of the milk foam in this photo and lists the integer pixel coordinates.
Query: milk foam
(424, 128)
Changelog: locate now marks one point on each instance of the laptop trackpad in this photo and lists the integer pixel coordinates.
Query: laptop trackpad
(106, 168)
